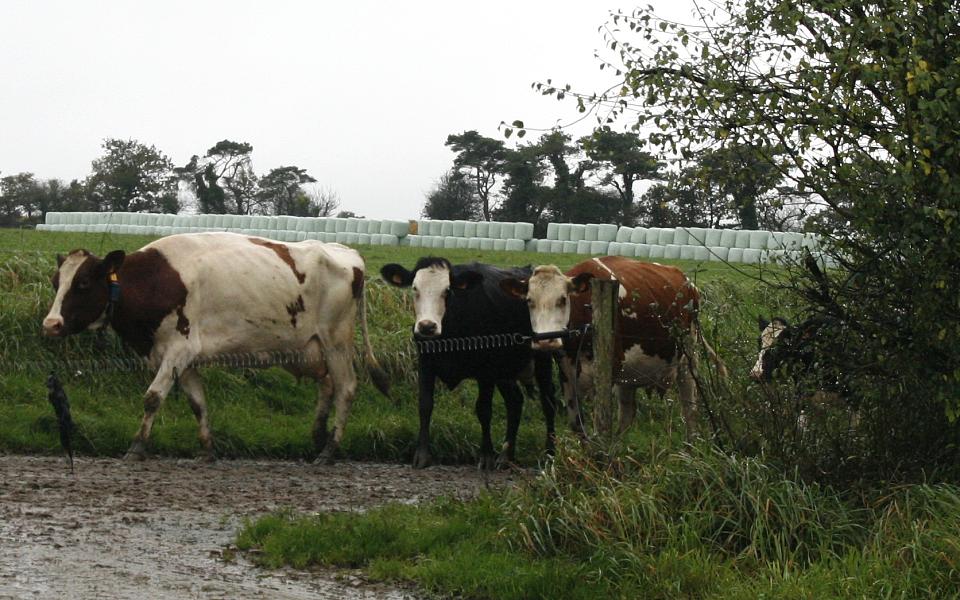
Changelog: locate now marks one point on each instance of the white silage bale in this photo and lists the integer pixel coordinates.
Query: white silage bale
(776, 240)
(446, 229)
(792, 240)
(508, 231)
(811, 241)
(301, 235)
(751, 256)
(728, 238)
(339, 225)
(638, 235)
(701, 253)
(462, 243)
(652, 236)
(578, 232)
(687, 252)
(570, 247)
(656, 252)
(499, 245)
(459, 229)
(524, 231)
(323, 225)
(759, 239)
(363, 226)
(398, 228)
(493, 229)
(388, 239)
(553, 231)
(712, 237)
(681, 237)
(606, 232)
(473, 243)
(599, 248)
(563, 232)
(590, 232)
(469, 229)
(614, 248)
(449, 242)
(486, 243)
(42, 227)
(672, 251)
(515, 245)
(696, 236)
(719, 253)
(583, 247)
(531, 245)
(665, 238)
(775, 256)
(483, 228)
(51, 218)
(743, 239)
(413, 240)
(623, 234)
(641, 251)
(364, 238)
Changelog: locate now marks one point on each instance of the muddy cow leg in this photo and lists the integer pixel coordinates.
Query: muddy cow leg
(324, 401)
(192, 385)
(340, 363)
(427, 383)
(513, 400)
(484, 411)
(170, 365)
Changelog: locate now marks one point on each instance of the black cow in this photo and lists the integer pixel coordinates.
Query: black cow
(465, 301)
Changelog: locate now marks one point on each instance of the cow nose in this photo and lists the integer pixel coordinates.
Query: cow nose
(426, 328)
(52, 326)
(547, 345)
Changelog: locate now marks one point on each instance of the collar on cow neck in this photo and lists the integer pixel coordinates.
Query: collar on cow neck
(113, 299)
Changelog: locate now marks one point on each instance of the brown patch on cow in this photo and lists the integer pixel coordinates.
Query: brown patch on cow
(183, 323)
(295, 308)
(357, 285)
(659, 304)
(283, 252)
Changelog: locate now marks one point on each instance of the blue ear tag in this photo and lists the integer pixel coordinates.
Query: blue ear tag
(114, 288)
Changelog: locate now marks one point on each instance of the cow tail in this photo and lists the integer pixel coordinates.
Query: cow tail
(714, 357)
(377, 374)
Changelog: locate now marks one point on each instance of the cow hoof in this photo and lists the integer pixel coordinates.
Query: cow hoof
(488, 462)
(421, 459)
(136, 453)
(326, 458)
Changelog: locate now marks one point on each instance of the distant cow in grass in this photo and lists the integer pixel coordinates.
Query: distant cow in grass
(188, 297)
(465, 301)
(657, 321)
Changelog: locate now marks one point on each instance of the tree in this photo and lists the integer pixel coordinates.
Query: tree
(629, 163)
(452, 198)
(133, 177)
(18, 194)
(322, 201)
(223, 179)
(863, 99)
(281, 191)
(481, 158)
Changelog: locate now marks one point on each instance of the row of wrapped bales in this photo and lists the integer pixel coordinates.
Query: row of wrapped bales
(285, 235)
(497, 230)
(576, 232)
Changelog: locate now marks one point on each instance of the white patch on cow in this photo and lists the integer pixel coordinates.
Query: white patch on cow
(613, 277)
(430, 289)
(645, 370)
(629, 313)
(768, 336)
(67, 272)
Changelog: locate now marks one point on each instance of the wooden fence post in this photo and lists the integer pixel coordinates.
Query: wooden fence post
(605, 307)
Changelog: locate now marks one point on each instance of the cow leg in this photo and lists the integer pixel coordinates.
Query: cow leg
(484, 410)
(324, 397)
(627, 399)
(156, 393)
(686, 390)
(513, 399)
(421, 457)
(543, 365)
(192, 384)
(340, 363)
(571, 396)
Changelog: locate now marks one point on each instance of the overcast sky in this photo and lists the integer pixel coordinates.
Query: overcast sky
(362, 94)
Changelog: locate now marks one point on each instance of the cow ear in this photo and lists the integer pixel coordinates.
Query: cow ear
(515, 287)
(60, 259)
(112, 261)
(580, 283)
(396, 275)
(762, 322)
(465, 280)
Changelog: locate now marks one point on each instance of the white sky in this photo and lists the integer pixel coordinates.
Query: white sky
(362, 94)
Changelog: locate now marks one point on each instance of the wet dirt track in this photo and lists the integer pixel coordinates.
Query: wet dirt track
(158, 529)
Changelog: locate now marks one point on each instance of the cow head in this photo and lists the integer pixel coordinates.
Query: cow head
(432, 280)
(82, 284)
(770, 331)
(547, 293)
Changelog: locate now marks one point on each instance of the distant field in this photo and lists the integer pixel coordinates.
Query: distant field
(267, 412)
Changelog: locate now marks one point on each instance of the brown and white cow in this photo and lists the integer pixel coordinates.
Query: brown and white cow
(188, 297)
(658, 317)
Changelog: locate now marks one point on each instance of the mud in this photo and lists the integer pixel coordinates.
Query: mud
(162, 529)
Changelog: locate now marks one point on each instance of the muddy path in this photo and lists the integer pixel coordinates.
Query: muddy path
(158, 529)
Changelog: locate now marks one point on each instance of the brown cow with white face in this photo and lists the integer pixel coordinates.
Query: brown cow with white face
(658, 309)
(187, 297)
